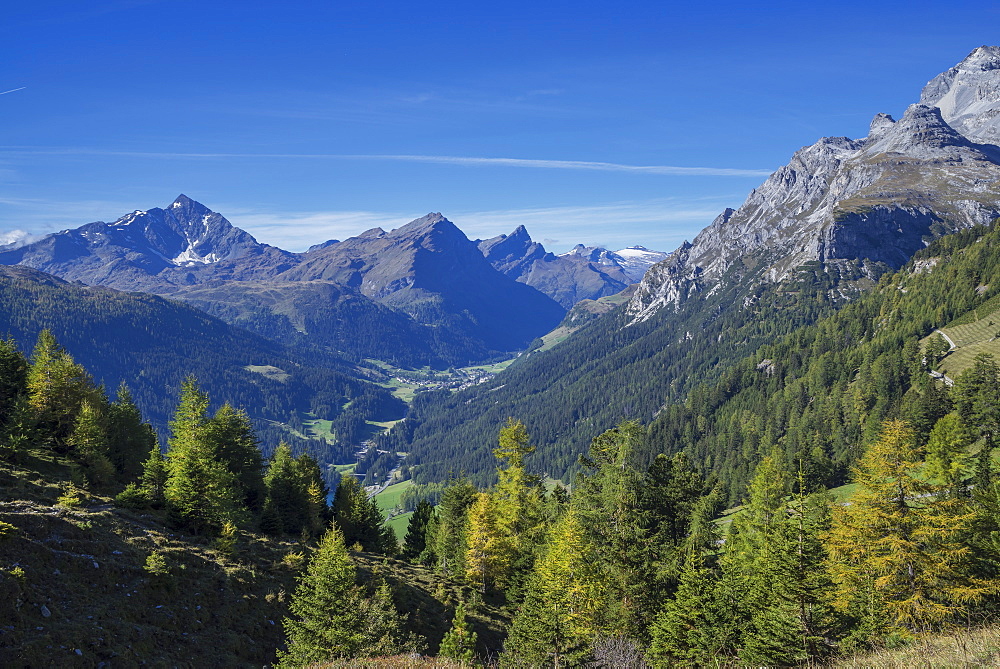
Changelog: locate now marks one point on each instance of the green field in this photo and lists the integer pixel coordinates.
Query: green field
(400, 524)
(317, 427)
(973, 334)
(389, 498)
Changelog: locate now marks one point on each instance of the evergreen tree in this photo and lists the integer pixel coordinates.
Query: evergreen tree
(557, 621)
(451, 527)
(327, 620)
(154, 477)
(231, 437)
(415, 540)
(896, 558)
(669, 491)
(57, 386)
(360, 518)
(459, 643)
(747, 570)
(201, 493)
(795, 621)
(89, 445)
(284, 507)
(13, 378)
(685, 632)
(977, 398)
(310, 477)
(607, 501)
(129, 439)
(948, 459)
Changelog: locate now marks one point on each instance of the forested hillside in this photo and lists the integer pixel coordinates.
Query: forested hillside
(611, 370)
(152, 344)
(821, 393)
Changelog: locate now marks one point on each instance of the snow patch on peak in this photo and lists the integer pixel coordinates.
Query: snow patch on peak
(189, 257)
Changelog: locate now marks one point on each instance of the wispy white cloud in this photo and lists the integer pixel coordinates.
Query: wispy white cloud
(17, 237)
(470, 161)
(297, 231)
(13, 90)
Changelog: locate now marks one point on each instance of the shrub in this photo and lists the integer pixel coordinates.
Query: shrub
(70, 498)
(132, 497)
(157, 565)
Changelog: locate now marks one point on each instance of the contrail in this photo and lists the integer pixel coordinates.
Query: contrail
(452, 160)
(14, 90)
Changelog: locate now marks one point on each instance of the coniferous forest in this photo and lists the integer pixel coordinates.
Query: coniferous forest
(830, 494)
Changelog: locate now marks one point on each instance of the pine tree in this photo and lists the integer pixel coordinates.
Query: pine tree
(57, 386)
(459, 643)
(977, 398)
(231, 437)
(284, 507)
(129, 439)
(451, 527)
(13, 378)
(896, 558)
(684, 633)
(154, 477)
(361, 518)
(310, 477)
(948, 459)
(88, 443)
(557, 621)
(327, 620)
(607, 501)
(793, 621)
(201, 493)
(332, 619)
(415, 540)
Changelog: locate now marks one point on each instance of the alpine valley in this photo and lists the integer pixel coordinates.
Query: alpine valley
(772, 446)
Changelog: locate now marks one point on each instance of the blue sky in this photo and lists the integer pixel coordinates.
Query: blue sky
(595, 122)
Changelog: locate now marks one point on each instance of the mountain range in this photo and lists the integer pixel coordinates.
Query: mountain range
(420, 295)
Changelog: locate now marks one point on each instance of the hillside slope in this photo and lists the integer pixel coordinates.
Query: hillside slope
(152, 343)
(75, 590)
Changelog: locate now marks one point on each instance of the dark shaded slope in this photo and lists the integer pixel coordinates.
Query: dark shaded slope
(152, 343)
(336, 318)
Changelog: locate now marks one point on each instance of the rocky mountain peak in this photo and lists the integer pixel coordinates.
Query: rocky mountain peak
(428, 222)
(921, 133)
(880, 123)
(841, 201)
(968, 95)
(512, 254)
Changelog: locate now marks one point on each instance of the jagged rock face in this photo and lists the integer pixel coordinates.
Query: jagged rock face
(968, 95)
(877, 199)
(513, 254)
(152, 248)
